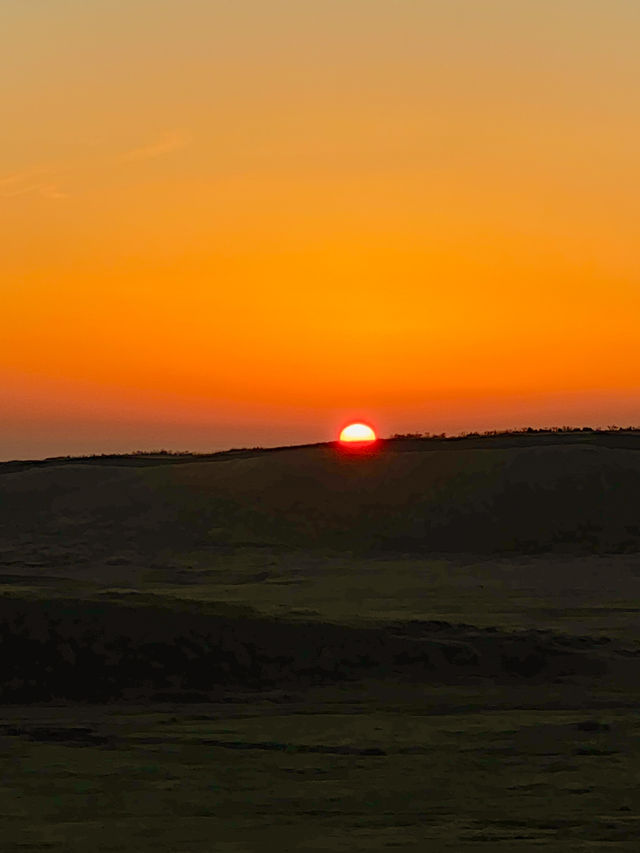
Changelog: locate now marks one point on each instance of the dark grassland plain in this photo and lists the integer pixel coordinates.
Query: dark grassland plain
(431, 647)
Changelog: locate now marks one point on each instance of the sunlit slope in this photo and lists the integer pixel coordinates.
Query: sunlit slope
(567, 496)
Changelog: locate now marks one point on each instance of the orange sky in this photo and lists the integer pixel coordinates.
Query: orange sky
(240, 223)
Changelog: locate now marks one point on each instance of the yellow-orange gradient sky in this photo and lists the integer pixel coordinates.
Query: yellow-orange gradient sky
(245, 222)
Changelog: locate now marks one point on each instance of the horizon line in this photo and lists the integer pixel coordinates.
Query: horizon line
(408, 436)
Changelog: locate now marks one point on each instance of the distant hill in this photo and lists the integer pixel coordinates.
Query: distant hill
(574, 491)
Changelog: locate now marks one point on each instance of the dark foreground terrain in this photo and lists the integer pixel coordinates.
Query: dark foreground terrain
(431, 648)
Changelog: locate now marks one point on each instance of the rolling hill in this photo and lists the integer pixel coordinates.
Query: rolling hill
(574, 493)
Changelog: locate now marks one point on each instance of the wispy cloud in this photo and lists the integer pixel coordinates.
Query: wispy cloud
(48, 181)
(171, 141)
(39, 182)
(16, 178)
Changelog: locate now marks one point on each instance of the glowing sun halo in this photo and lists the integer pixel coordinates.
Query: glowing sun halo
(357, 432)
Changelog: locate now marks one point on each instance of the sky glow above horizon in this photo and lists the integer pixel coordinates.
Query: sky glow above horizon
(230, 224)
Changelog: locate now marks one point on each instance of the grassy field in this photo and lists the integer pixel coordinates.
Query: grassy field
(374, 768)
(582, 594)
(166, 690)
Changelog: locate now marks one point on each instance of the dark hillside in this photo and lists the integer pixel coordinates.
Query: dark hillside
(101, 651)
(572, 492)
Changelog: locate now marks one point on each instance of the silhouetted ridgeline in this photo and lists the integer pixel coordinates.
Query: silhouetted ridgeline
(612, 436)
(521, 492)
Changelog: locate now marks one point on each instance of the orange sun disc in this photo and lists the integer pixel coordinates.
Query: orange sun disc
(357, 432)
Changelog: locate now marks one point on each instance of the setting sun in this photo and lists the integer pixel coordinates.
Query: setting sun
(357, 432)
